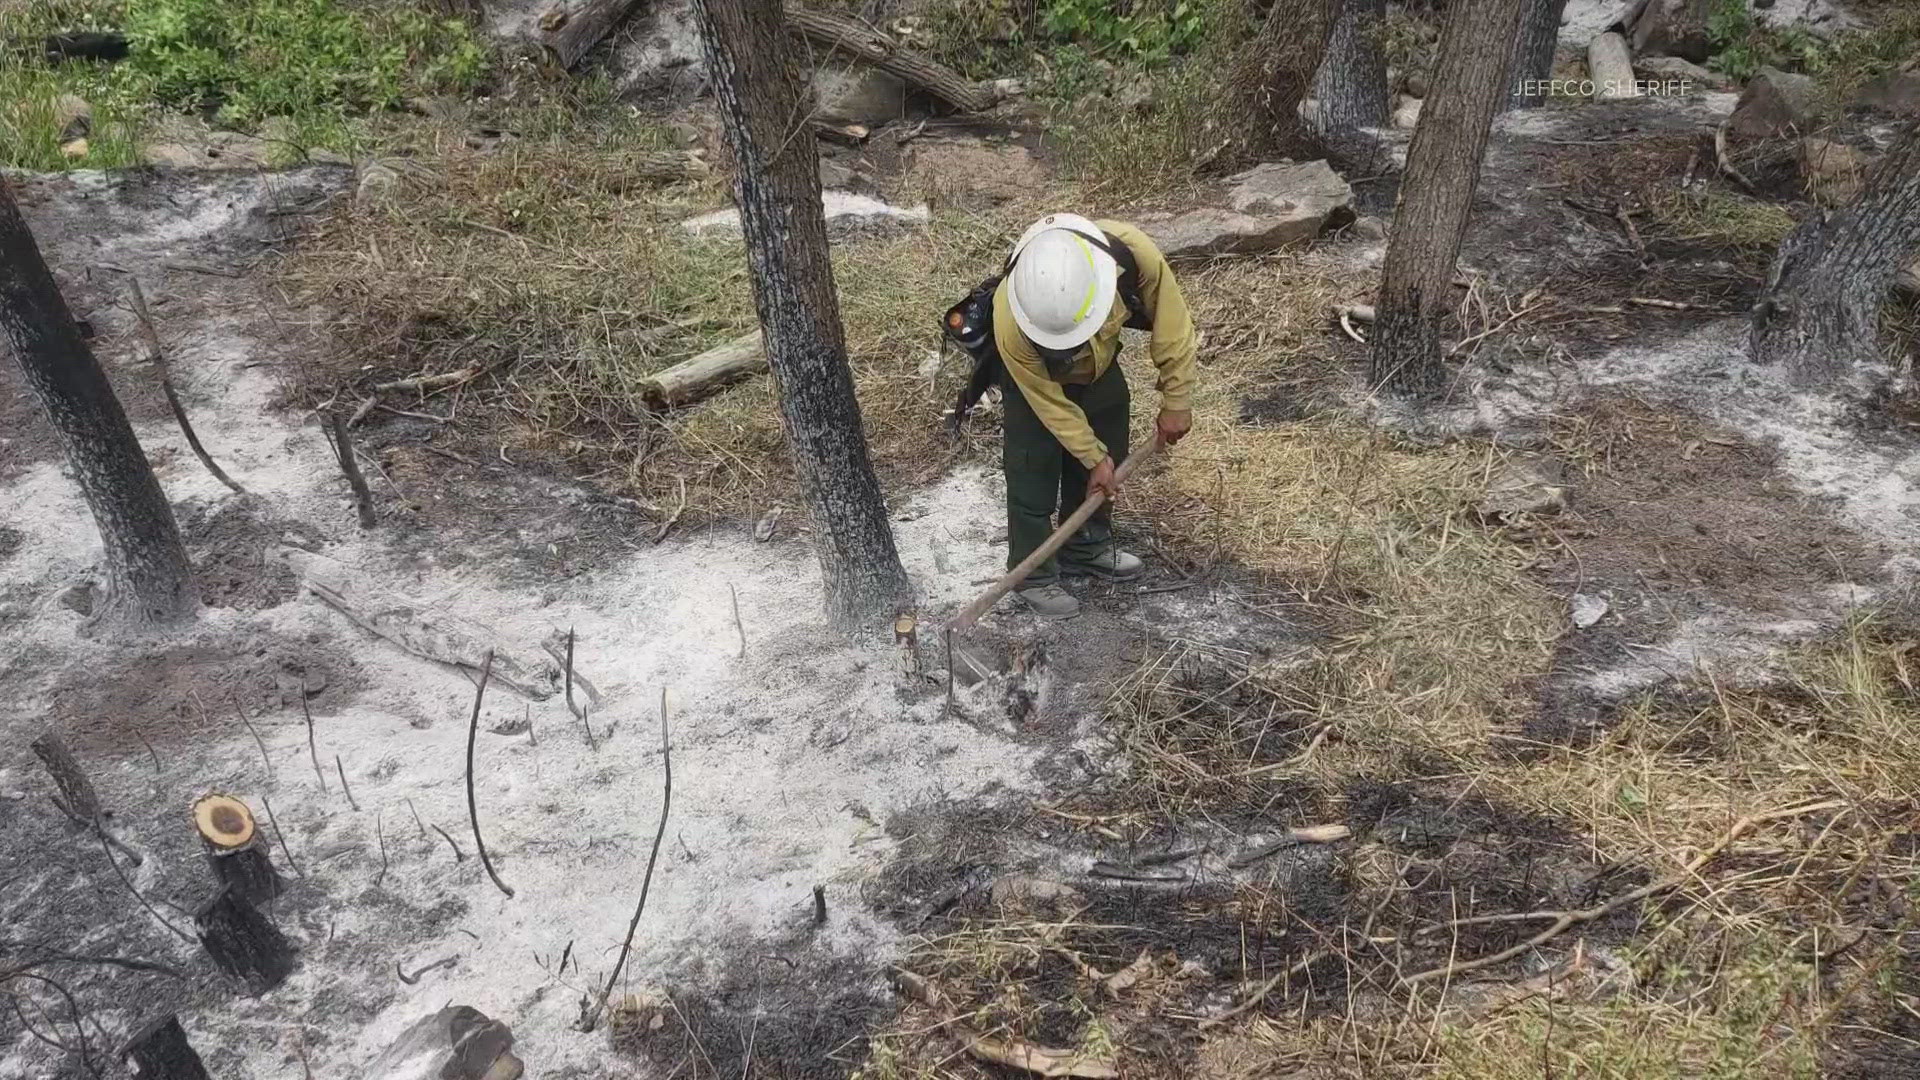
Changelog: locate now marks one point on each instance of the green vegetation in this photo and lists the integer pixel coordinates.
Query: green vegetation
(320, 64)
(1743, 45)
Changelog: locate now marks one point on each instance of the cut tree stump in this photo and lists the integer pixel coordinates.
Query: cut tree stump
(236, 849)
(159, 1051)
(707, 374)
(242, 942)
(863, 42)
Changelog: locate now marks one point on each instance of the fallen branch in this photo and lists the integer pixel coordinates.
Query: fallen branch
(77, 798)
(251, 730)
(473, 813)
(342, 770)
(865, 43)
(458, 856)
(706, 374)
(415, 977)
(427, 383)
(43, 955)
(285, 848)
(107, 849)
(646, 882)
(1565, 920)
(159, 361)
(1725, 163)
(673, 518)
(1003, 1050)
(1312, 834)
(738, 626)
(571, 35)
(350, 465)
(404, 622)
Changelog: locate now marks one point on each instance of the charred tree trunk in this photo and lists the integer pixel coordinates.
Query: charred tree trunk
(1820, 314)
(777, 185)
(1261, 105)
(149, 580)
(160, 1051)
(1350, 90)
(1533, 47)
(242, 942)
(1436, 194)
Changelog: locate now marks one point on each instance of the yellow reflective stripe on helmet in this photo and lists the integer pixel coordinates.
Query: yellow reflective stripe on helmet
(1093, 279)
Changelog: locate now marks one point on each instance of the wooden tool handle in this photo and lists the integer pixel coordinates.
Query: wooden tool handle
(972, 612)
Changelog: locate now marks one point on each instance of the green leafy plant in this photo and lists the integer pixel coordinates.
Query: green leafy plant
(1142, 31)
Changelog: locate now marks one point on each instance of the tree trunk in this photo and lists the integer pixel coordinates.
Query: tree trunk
(1436, 194)
(1820, 314)
(1261, 104)
(149, 580)
(1350, 90)
(777, 186)
(160, 1051)
(1533, 46)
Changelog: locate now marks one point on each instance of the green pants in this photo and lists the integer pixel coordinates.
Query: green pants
(1043, 479)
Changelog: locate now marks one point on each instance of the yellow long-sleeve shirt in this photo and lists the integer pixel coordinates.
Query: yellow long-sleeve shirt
(1172, 348)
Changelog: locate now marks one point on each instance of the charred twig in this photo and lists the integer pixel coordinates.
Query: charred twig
(473, 813)
(1726, 163)
(313, 751)
(280, 833)
(415, 977)
(159, 361)
(154, 756)
(73, 1007)
(107, 848)
(257, 740)
(673, 518)
(458, 856)
(380, 837)
(1565, 920)
(568, 676)
(342, 770)
(819, 905)
(350, 465)
(646, 882)
(416, 817)
(44, 955)
(738, 626)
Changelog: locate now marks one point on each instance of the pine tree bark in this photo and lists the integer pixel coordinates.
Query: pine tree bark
(1260, 108)
(1819, 317)
(1436, 194)
(149, 580)
(777, 186)
(1533, 47)
(1350, 89)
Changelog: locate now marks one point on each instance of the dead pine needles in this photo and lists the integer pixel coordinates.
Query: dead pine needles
(646, 882)
(473, 813)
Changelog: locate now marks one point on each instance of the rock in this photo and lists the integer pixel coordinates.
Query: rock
(995, 172)
(1008, 88)
(1416, 85)
(1524, 484)
(1368, 227)
(1135, 96)
(858, 95)
(1586, 609)
(1406, 112)
(1673, 69)
(1020, 890)
(1674, 28)
(1774, 103)
(457, 1043)
(75, 148)
(1268, 207)
(1832, 171)
(73, 116)
(377, 183)
(846, 213)
(1896, 92)
(835, 174)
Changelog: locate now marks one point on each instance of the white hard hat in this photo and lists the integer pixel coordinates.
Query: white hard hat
(1062, 284)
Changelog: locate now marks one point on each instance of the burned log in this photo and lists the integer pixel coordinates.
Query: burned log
(108, 45)
(707, 374)
(571, 35)
(159, 1051)
(242, 942)
(236, 849)
(863, 42)
(77, 797)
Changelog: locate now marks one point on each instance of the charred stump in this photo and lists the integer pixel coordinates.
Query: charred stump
(242, 942)
(236, 850)
(159, 1051)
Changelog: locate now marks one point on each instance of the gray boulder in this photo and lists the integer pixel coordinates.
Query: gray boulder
(1775, 103)
(1896, 92)
(457, 1043)
(859, 95)
(1673, 69)
(1263, 209)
